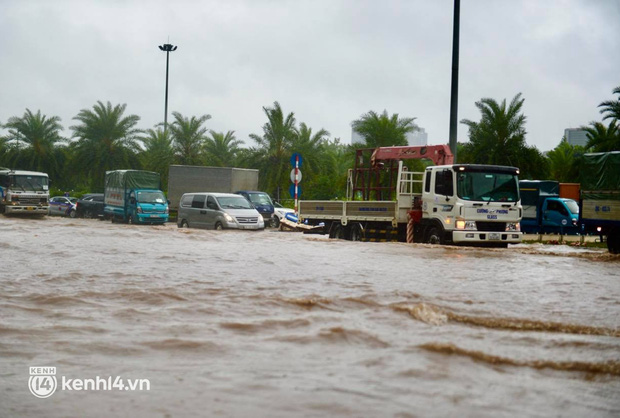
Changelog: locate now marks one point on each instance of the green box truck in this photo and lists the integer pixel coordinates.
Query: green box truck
(600, 197)
(134, 196)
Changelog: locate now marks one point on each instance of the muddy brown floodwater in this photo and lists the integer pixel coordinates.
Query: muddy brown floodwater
(277, 324)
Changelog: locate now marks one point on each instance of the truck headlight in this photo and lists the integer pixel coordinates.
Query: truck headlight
(467, 225)
(513, 227)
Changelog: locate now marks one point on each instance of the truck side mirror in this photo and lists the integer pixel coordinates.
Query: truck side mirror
(132, 200)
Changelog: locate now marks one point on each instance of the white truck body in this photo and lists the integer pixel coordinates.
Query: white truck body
(457, 203)
(24, 192)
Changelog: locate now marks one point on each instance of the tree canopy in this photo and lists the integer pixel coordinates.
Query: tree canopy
(106, 140)
(382, 130)
(499, 138)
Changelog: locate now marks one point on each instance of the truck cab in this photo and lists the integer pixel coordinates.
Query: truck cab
(560, 215)
(147, 206)
(470, 204)
(24, 192)
(544, 211)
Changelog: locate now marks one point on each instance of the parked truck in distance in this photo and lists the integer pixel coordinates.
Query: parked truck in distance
(446, 204)
(600, 197)
(134, 196)
(23, 192)
(196, 179)
(544, 211)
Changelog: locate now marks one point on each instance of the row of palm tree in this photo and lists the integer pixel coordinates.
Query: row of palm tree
(105, 138)
(499, 138)
(603, 138)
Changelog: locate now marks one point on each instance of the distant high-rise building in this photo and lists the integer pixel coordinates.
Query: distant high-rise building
(575, 136)
(356, 138)
(417, 138)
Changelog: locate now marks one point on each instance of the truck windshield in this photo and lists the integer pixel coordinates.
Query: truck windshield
(27, 183)
(151, 197)
(572, 206)
(260, 198)
(234, 203)
(487, 187)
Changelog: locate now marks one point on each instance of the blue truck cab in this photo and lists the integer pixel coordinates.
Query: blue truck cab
(147, 206)
(262, 202)
(544, 211)
(134, 196)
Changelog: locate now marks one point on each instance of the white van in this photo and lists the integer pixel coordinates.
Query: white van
(217, 211)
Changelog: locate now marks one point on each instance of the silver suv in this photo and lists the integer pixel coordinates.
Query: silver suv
(218, 211)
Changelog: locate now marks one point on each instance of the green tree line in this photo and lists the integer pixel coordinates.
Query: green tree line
(105, 137)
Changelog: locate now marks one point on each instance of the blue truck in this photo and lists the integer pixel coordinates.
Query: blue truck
(544, 211)
(134, 196)
(600, 197)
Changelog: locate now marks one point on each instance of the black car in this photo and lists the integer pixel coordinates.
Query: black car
(90, 206)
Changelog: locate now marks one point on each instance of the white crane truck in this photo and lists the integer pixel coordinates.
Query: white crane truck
(460, 204)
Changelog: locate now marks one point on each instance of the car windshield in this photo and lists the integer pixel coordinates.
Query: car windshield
(29, 183)
(487, 186)
(234, 202)
(572, 206)
(260, 198)
(151, 197)
(73, 199)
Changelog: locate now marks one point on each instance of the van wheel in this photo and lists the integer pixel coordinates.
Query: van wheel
(434, 236)
(184, 224)
(218, 226)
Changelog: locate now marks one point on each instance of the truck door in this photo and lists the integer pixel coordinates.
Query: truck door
(555, 214)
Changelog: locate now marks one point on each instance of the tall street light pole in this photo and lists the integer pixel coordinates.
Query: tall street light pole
(168, 48)
(454, 96)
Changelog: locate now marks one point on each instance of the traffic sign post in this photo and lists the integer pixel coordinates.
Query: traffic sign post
(296, 176)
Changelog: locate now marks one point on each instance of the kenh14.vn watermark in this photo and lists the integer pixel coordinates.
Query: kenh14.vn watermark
(43, 383)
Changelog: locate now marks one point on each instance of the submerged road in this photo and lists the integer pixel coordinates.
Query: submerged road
(277, 324)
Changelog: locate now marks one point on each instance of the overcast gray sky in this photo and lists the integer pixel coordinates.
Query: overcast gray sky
(328, 61)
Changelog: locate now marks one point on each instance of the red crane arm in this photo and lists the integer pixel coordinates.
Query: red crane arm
(439, 154)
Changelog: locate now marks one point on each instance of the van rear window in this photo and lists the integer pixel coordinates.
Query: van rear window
(186, 201)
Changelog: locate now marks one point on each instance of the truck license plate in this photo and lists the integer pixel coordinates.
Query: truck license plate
(29, 208)
(154, 216)
(494, 236)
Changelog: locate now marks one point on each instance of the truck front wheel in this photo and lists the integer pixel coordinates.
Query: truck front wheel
(435, 236)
